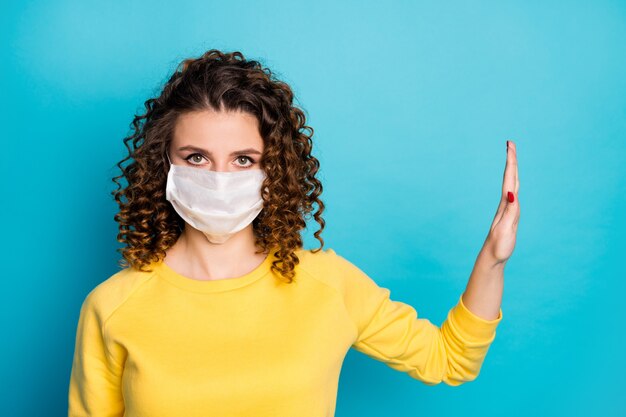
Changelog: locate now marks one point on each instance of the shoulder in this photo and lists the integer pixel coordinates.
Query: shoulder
(323, 260)
(111, 293)
(332, 269)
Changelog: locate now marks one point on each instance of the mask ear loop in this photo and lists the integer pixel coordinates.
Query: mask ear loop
(180, 228)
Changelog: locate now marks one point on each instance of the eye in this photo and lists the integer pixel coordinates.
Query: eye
(189, 158)
(244, 158)
(196, 159)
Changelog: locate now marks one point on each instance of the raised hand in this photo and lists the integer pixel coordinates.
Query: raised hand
(503, 231)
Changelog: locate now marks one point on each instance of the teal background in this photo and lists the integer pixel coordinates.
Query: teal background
(411, 103)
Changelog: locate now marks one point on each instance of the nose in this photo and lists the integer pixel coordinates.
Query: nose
(220, 166)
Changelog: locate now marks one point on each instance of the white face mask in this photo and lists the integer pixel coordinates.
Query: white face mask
(219, 204)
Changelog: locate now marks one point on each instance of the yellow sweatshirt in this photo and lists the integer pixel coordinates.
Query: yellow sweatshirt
(159, 344)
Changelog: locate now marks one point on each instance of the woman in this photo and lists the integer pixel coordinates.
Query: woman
(219, 310)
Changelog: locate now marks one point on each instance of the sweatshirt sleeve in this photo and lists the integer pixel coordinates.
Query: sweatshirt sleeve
(391, 331)
(95, 381)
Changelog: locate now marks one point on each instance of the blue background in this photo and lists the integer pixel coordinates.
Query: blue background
(411, 103)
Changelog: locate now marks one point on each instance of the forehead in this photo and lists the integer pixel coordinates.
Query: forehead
(217, 130)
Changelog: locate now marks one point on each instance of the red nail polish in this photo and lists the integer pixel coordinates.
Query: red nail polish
(511, 197)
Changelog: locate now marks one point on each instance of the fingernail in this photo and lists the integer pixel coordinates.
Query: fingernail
(511, 197)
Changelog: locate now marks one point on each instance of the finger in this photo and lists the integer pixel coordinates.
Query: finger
(505, 181)
(508, 182)
(514, 148)
(499, 211)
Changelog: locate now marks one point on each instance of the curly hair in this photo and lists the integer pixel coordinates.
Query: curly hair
(148, 224)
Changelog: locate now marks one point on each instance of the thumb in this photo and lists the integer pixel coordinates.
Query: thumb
(508, 217)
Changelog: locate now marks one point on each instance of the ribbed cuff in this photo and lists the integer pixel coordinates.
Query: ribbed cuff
(470, 327)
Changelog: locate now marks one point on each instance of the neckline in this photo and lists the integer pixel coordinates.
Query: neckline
(203, 286)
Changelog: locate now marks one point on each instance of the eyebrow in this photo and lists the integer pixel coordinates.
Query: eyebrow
(200, 150)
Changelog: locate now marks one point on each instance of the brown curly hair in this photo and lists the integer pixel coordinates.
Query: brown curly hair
(148, 224)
